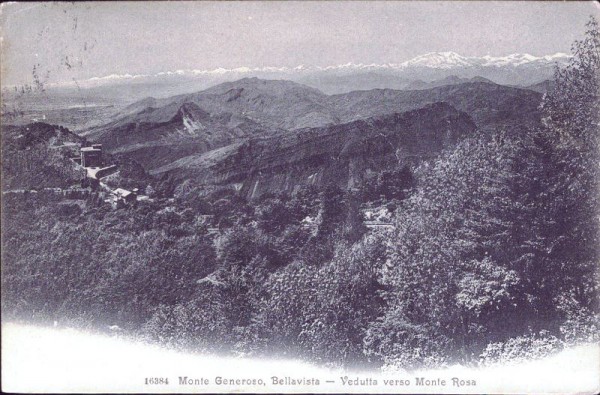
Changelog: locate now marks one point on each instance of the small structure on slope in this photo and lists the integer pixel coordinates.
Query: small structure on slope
(91, 156)
(121, 197)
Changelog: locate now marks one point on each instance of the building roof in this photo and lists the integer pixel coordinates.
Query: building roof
(90, 149)
(122, 192)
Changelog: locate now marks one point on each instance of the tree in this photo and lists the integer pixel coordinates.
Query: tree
(353, 228)
(323, 312)
(332, 210)
(572, 108)
(572, 133)
(502, 234)
(388, 184)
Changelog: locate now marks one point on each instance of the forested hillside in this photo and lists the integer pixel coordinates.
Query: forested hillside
(493, 251)
(37, 156)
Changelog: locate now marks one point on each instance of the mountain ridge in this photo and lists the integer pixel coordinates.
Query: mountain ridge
(341, 154)
(156, 131)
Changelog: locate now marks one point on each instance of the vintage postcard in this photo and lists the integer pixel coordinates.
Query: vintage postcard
(300, 197)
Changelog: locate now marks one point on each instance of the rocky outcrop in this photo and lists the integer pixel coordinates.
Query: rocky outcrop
(341, 154)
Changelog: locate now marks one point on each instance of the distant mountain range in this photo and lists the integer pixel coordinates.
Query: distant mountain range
(515, 69)
(452, 60)
(433, 61)
(450, 80)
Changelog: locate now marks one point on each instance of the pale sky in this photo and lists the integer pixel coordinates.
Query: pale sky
(78, 41)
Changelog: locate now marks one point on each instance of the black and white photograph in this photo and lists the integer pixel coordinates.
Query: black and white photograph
(300, 197)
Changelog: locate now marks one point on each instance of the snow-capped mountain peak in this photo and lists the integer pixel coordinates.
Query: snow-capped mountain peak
(523, 59)
(441, 60)
(450, 60)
